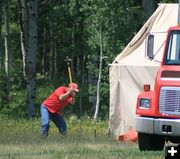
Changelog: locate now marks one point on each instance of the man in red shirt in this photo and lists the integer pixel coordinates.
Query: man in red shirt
(53, 105)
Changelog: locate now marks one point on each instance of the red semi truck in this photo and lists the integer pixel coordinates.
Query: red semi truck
(158, 110)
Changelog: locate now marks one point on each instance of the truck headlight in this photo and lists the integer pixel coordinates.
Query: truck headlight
(144, 103)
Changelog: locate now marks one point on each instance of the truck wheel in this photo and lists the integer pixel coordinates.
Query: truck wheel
(150, 142)
(173, 139)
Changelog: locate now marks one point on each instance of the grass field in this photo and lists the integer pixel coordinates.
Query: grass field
(20, 139)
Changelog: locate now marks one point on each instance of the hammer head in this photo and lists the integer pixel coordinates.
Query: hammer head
(67, 59)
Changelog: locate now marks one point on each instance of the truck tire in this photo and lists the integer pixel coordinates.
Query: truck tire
(150, 142)
(175, 140)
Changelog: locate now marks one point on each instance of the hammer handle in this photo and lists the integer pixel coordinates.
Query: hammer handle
(70, 76)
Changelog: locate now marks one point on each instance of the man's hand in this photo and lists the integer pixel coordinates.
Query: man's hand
(71, 91)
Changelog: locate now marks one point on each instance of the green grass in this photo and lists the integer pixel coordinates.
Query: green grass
(20, 139)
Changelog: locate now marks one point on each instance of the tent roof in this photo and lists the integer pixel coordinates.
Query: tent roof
(158, 24)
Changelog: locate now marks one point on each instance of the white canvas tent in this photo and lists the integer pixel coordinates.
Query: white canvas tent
(131, 69)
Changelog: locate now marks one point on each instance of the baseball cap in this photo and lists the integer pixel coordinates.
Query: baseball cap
(74, 86)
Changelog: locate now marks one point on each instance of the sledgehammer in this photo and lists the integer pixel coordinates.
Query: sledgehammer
(68, 60)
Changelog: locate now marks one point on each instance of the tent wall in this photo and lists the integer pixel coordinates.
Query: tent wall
(126, 82)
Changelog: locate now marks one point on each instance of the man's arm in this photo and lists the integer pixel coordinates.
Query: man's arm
(65, 95)
(73, 98)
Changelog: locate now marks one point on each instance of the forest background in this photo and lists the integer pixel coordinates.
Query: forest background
(37, 36)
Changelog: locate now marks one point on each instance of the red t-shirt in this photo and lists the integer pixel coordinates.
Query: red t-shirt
(53, 103)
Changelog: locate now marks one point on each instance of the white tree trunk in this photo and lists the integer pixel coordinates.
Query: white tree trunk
(24, 27)
(31, 57)
(100, 76)
(7, 49)
(28, 28)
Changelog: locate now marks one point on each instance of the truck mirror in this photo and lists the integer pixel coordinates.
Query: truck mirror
(150, 46)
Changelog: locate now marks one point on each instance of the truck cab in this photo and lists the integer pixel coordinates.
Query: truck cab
(158, 110)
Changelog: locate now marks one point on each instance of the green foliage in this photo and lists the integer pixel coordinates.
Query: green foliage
(42, 92)
(75, 29)
(14, 97)
(3, 89)
(16, 107)
(120, 21)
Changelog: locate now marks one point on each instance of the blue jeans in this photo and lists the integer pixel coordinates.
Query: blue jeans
(45, 121)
